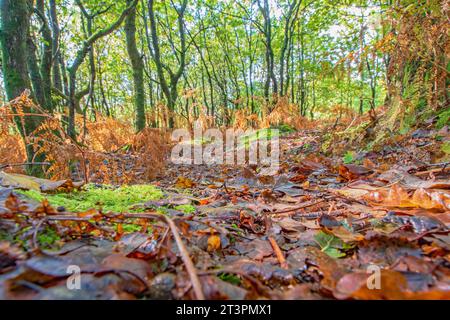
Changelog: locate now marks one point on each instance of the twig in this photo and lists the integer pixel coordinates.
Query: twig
(300, 207)
(225, 187)
(3, 166)
(443, 169)
(444, 165)
(190, 268)
(24, 114)
(35, 234)
(317, 214)
(278, 253)
(186, 259)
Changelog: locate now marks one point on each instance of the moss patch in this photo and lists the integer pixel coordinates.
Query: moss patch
(107, 198)
(186, 208)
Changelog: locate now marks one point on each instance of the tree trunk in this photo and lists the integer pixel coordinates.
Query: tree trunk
(13, 39)
(57, 82)
(45, 67)
(79, 59)
(138, 68)
(169, 88)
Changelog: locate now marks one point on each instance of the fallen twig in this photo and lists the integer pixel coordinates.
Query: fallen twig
(278, 253)
(190, 268)
(306, 205)
(7, 165)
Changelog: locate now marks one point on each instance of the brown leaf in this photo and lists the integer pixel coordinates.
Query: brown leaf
(397, 196)
(256, 249)
(32, 183)
(214, 243)
(393, 286)
(345, 235)
(352, 172)
(184, 183)
(14, 204)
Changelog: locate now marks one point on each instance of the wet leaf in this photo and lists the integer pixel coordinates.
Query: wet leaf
(352, 172)
(331, 245)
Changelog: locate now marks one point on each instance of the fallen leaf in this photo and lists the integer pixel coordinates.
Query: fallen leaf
(184, 183)
(21, 181)
(352, 172)
(214, 243)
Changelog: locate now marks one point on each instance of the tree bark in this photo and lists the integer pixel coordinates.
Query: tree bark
(138, 68)
(169, 88)
(270, 74)
(13, 39)
(57, 82)
(46, 57)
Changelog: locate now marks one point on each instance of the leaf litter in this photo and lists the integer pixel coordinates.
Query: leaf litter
(310, 231)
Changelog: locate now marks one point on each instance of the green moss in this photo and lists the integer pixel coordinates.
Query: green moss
(48, 237)
(108, 198)
(130, 228)
(446, 147)
(443, 119)
(186, 208)
(254, 136)
(4, 235)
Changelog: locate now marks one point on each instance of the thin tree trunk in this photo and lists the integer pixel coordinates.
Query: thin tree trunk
(138, 68)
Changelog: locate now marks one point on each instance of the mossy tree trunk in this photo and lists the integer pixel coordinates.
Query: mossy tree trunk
(13, 39)
(138, 68)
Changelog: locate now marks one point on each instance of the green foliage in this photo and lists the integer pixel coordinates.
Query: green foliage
(443, 119)
(331, 245)
(48, 237)
(130, 228)
(230, 278)
(4, 235)
(349, 157)
(107, 198)
(284, 128)
(409, 120)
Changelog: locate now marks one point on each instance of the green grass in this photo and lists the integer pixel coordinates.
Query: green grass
(109, 199)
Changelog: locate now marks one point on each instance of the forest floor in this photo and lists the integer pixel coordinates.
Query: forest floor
(370, 225)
